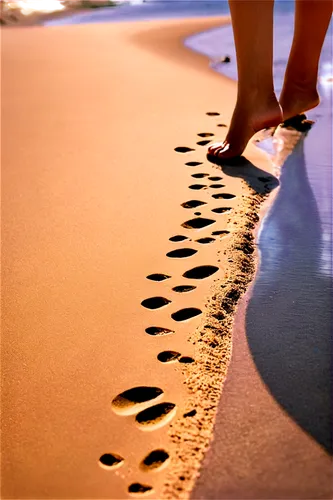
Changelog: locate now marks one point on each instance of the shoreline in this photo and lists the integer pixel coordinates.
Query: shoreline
(152, 42)
(275, 372)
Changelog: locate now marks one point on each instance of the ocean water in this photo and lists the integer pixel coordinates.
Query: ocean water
(156, 9)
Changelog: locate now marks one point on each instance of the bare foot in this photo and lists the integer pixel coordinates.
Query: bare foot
(296, 98)
(248, 118)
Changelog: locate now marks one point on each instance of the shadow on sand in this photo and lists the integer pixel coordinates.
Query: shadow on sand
(288, 320)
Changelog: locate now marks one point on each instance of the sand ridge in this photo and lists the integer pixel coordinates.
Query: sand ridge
(112, 220)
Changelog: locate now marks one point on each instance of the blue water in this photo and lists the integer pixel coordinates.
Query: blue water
(157, 10)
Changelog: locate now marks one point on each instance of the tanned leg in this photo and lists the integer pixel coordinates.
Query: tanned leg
(256, 106)
(299, 93)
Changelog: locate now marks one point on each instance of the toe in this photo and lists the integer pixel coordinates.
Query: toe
(215, 148)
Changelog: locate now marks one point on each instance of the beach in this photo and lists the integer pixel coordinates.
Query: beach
(125, 254)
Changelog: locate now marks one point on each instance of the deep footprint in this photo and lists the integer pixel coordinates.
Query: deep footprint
(155, 302)
(193, 163)
(186, 360)
(212, 113)
(221, 210)
(220, 233)
(155, 460)
(158, 331)
(224, 196)
(183, 288)
(197, 186)
(140, 489)
(183, 149)
(200, 175)
(198, 223)
(200, 272)
(215, 178)
(181, 253)
(193, 203)
(217, 186)
(111, 461)
(158, 277)
(205, 134)
(134, 400)
(204, 241)
(185, 314)
(156, 416)
(178, 237)
(203, 143)
(221, 125)
(168, 356)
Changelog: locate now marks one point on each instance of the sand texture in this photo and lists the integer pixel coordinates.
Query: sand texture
(104, 306)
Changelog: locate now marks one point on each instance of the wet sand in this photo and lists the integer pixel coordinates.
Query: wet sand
(93, 190)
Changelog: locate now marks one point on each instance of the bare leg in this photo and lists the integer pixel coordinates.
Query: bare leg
(256, 106)
(299, 92)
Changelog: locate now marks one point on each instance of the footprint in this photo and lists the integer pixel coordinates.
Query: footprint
(212, 113)
(181, 253)
(198, 186)
(168, 356)
(185, 314)
(220, 233)
(191, 413)
(217, 186)
(198, 223)
(200, 272)
(199, 175)
(136, 399)
(140, 489)
(156, 416)
(158, 277)
(111, 461)
(158, 331)
(155, 302)
(186, 360)
(205, 134)
(178, 237)
(203, 143)
(183, 149)
(193, 163)
(184, 288)
(221, 125)
(197, 213)
(193, 203)
(204, 241)
(215, 178)
(221, 210)
(224, 196)
(155, 460)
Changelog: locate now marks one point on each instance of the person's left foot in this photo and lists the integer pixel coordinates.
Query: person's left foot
(248, 118)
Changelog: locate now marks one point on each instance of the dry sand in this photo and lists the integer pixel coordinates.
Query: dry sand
(92, 192)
